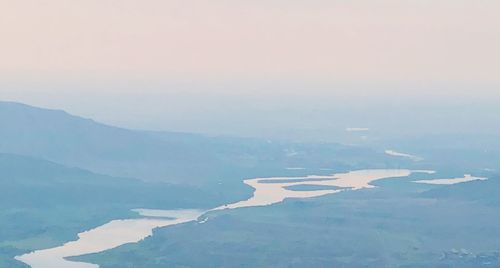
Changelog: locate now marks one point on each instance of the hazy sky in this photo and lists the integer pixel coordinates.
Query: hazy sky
(98, 57)
(310, 40)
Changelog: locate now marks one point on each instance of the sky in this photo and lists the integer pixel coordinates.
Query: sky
(182, 64)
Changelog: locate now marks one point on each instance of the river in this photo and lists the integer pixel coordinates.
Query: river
(267, 191)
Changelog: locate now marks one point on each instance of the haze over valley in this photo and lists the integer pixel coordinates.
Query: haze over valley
(77, 175)
(193, 134)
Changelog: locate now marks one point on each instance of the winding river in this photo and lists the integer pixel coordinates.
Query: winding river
(267, 191)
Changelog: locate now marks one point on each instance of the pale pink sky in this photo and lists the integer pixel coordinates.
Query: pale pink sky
(276, 68)
(376, 42)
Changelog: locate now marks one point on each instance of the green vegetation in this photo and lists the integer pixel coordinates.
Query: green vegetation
(52, 188)
(168, 156)
(44, 204)
(380, 227)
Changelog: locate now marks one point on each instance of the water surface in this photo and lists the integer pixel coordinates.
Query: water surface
(267, 191)
(465, 178)
(110, 235)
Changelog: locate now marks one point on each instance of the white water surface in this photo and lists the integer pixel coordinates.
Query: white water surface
(120, 232)
(110, 235)
(404, 155)
(270, 193)
(465, 178)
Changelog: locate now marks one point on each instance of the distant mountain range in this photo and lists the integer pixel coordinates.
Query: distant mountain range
(61, 175)
(164, 156)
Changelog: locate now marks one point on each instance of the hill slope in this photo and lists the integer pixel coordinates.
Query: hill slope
(175, 157)
(43, 204)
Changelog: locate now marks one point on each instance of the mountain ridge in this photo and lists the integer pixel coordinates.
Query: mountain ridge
(175, 157)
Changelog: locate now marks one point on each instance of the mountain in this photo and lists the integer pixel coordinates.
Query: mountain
(75, 141)
(164, 156)
(62, 174)
(44, 204)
